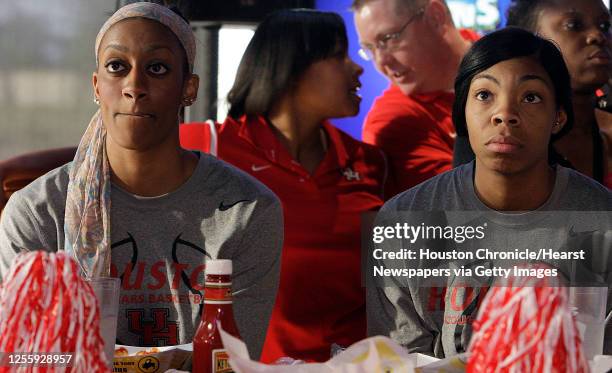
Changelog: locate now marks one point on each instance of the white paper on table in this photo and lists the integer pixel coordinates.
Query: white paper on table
(372, 355)
(453, 364)
(241, 363)
(601, 364)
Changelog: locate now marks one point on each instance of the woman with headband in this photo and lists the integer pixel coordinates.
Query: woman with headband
(133, 204)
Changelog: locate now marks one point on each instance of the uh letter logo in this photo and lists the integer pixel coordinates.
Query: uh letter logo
(157, 331)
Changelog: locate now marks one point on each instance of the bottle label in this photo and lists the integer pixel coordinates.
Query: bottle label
(218, 293)
(220, 361)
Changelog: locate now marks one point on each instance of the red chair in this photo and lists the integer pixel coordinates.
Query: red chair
(200, 136)
(19, 171)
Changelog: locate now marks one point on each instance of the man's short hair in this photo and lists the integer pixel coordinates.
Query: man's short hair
(400, 5)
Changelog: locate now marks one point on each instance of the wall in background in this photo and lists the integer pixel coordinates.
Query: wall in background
(46, 63)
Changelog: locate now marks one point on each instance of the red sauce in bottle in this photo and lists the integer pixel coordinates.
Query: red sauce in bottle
(209, 356)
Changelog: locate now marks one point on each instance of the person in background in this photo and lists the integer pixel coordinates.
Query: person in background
(133, 204)
(604, 121)
(294, 76)
(415, 45)
(513, 95)
(581, 29)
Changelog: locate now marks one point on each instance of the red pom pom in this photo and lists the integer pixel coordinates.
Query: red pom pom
(526, 326)
(45, 306)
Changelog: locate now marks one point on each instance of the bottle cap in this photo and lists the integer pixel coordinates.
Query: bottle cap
(218, 267)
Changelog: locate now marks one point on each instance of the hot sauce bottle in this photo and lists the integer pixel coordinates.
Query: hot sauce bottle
(209, 356)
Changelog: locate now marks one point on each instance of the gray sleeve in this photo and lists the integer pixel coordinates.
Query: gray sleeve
(391, 312)
(390, 301)
(19, 231)
(256, 273)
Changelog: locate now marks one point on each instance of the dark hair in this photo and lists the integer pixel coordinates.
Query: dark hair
(525, 13)
(284, 45)
(507, 44)
(178, 12)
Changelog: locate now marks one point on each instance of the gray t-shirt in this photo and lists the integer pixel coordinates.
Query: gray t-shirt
(160, 246)
(437, 320)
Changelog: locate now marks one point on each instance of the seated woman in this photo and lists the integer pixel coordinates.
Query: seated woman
(294, 76)
(581, 29)
(513, 95)
(134, 204)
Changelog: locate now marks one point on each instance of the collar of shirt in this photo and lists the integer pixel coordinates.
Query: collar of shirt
(423, 98)
(444, 96)
(257, 131)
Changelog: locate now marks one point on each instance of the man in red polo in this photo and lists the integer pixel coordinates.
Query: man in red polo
(415, 44)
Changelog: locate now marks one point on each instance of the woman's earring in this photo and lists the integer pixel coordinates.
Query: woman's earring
(96, 101)
(188, 101)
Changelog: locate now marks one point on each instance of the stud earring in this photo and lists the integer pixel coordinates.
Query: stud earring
(96, 101)
(188, 101)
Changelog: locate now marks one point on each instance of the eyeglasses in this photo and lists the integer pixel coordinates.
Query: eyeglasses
(388, 42)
